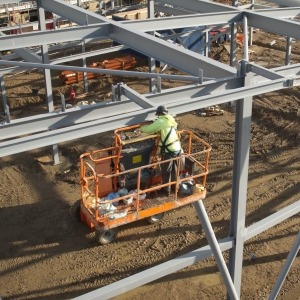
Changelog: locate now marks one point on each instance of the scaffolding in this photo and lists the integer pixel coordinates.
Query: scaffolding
(213, 83)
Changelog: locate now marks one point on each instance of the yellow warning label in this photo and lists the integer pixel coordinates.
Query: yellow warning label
(136, 159)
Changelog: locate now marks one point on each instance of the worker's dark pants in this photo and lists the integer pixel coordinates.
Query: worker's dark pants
(169, 170)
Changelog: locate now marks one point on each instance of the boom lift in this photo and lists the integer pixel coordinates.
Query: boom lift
(122, 184)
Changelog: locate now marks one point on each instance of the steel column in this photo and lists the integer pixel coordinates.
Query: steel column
(47, 78)
(288, 50)
(4, 100)
(245, 22)
(154, 273)
(85, 80)
(251, 28)
(151, 60)
(239, 182)
(203, 217)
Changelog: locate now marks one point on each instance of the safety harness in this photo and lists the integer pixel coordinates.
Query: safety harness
(164, 147)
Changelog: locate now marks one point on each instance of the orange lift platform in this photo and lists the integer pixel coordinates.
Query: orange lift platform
(123, 183)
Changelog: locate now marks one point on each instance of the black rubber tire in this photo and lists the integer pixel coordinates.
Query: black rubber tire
(105, 237)
(156, 218)
(75, 211)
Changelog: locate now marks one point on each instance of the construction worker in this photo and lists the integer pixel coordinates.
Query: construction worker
(169, 144)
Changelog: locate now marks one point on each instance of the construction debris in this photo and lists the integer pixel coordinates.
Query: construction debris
(210, 111)
(123, 63)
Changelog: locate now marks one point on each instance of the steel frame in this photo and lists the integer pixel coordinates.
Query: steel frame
(214, 83)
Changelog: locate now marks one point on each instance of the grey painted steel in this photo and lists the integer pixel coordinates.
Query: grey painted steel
(87, 54)
(210, 235)
(267, 73)
(47, 79)
(151, 61)
(100, 71)
(272, 24)
(288, 50)
(190, 62)
(251, 28)
(72, 12)
(200, 6)
(85, 81)
(63, 102)
(136, 97)
(186, 21)
(148, 45)
(88, 113)
(187, 94)
(30, 39)
(245, 23)
(285, 269)
(239, 182)
(106, 124)
(181, 262)
(233, 33)
(171, 10)
(151, 274)
(280, 13)
(4, 100)
(286, 2)
(272, 220)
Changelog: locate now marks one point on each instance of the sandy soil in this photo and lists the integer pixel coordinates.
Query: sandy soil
(46, 254)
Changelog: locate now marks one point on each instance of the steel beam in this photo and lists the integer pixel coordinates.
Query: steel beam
(272, 24)
(30, 39)
(212, 240)
(280, 13)
(271, 220)
(98, 71)
(136, 97)
(148, 45)
(130, 118)
(185, 21)
(72, 12)
(184, 99)
(154, 273)
(199, 6)
(286, 2)
(171, 10)
(74, 116)
(267, 73)
(189, 62)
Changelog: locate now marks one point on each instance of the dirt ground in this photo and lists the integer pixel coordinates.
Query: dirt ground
(46, 254)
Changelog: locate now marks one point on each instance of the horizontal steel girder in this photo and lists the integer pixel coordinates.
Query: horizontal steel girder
(199, 6)
(272, 220)
(76, 116)
(110, 123)
(171, 10)
(177, 57)
(148, 45)
(280, 12)
(283, 27)
(290, 3)
(156, 272)
(30, 39)
(30, 65)
(184, 21)
(186, 260)
(139, 99)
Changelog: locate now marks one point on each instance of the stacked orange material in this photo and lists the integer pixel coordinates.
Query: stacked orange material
(123, 63)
